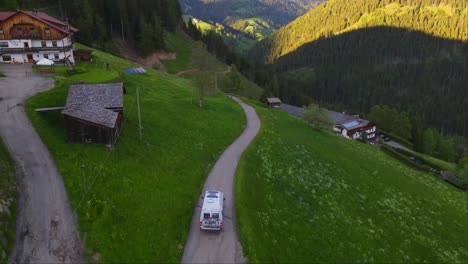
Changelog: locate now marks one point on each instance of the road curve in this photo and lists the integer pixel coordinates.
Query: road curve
(46, 230)
(224, 246)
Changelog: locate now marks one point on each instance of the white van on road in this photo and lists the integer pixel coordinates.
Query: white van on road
(211, 216)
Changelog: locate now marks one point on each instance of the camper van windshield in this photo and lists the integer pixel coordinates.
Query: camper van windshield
(212, 196)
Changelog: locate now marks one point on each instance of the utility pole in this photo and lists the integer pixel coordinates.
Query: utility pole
(202, 88)
(139, 113)
(216, 80)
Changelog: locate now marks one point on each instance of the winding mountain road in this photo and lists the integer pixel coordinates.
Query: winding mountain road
(46, 230)
(223, 246)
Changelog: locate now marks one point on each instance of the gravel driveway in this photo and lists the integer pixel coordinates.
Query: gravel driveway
(223, 246)
(46, 229)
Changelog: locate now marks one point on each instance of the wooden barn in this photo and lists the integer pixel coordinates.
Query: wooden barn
(273, 102)
(93, 113)
(83, 55)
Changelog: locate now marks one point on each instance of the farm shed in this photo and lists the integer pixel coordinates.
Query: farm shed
(273, 102)
(94, 112)
(83, 55)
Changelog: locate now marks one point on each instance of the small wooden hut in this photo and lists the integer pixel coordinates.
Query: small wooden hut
(94, 113)
(83, 55)
(273, 102)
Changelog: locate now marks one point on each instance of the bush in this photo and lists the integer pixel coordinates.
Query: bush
(318, 118)
(402, 156)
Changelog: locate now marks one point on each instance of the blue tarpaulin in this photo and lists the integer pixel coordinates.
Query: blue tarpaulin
(135, 71)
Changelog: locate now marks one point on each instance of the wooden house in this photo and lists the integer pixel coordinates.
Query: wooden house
(29, 36)
(273, 102)
(354, 127)
(94, 113)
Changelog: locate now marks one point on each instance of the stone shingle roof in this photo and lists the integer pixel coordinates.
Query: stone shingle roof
(93, 103)
(273, 100)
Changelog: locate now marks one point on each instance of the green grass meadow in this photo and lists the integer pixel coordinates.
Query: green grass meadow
(136, 201)
(7, 204)
(304, 196)
(192, 55)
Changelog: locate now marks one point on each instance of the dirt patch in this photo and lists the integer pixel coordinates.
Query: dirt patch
(182, 73)
(154, 59)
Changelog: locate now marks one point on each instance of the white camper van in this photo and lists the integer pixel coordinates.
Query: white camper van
(211, 216)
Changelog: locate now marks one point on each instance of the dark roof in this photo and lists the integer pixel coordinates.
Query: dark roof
(6, 15)
(273, 100)
(43, 17)
(341, 118)
(92, 103)
(83, 51)
(450, 178)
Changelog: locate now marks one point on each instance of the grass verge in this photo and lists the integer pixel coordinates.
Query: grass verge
(135, 203)
(7, 204)
(306, 196)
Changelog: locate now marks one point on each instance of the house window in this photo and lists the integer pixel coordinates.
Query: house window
(3, 44)
(32, 31)
(19, 31)
(43, 44)
(46, 56)
(47, 31)
(56, 57)
(1, 30)
(6, 58)
(54, 43)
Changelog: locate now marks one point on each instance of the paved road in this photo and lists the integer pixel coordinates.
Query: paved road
(397, 145)
(45, 229)
(224, 246)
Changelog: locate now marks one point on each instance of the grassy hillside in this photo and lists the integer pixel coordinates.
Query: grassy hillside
(193, 56)
(7, 204)
(138, 199)
(306, 196)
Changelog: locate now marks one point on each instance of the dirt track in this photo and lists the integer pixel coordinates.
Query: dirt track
(45, 229)
(224, 246)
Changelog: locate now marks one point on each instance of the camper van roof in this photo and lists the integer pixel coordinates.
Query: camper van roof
(212, 201)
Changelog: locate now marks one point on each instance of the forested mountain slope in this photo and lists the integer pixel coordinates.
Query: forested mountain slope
(141, 23)
(351, 55)
(275, 12)
(442, 18)
(244, 22)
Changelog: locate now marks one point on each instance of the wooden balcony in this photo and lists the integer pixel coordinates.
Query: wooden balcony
(34, 50)
(29, 36)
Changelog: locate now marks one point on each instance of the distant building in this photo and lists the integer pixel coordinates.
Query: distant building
(354, 127)
(273, 102)
(29, 36)
(94, 113)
